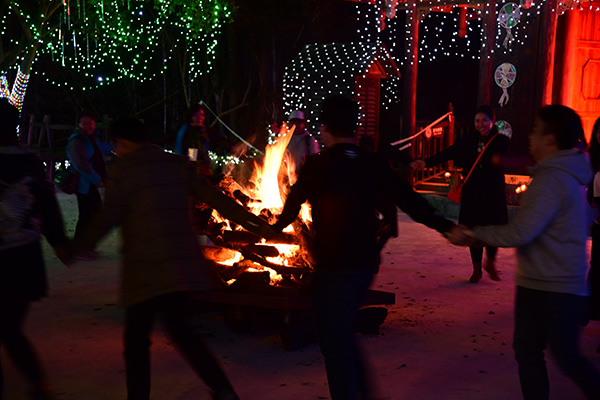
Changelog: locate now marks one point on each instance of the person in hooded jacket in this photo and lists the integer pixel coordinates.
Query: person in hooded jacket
(550, 231)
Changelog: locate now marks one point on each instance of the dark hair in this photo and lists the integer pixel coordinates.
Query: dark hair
(487, 110)
(340, 115)
(87, 113)
(9, 120)
(128, 128)
(564, 124)
(194, 108)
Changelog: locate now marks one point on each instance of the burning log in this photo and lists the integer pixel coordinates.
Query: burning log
(280, 269)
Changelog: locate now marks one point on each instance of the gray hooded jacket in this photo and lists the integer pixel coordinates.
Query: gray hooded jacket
(551, 227)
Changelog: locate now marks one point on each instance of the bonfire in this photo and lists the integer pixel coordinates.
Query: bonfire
(244, 256)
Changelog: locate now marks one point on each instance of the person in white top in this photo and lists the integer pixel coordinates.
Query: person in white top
(302, 143)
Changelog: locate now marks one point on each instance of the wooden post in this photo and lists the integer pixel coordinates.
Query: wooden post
(409, 97)
(564, 93)
(546, 51)
(486, 79)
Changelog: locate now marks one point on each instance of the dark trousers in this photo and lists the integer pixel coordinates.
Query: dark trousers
(12, 316)
(594, 274)
(550, 319)
(139, 321)
(477, 253)
(337, 297)
(88, 206)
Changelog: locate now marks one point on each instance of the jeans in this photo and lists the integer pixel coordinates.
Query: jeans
(88, 206)
(139, 320)
(337, 295)
(550, 319)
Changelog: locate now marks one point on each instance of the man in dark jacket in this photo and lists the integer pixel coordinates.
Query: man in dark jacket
(146, 195)
(344, 185)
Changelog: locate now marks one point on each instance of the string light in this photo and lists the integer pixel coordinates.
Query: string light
(105, 41)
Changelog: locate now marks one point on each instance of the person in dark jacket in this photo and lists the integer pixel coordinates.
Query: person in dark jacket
(484, 194)
(86, 154)
(28, 209)
(146, 195)
(344, 185)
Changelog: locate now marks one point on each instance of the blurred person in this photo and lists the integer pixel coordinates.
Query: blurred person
(344, 185)
(550, 232)
(86, 154)
(484, 195)
(302, 144)
(28, 209)
(594, 197)
(146, 195)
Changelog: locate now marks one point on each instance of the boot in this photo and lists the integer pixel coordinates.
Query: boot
(490, 268)
(476, 277)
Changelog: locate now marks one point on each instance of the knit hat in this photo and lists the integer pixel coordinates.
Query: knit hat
(297, 115)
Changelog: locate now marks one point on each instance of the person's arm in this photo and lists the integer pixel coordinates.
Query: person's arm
(412, 203)
(314, 146)
(534, 215)
(178, 146)
(451, 153)
(78, 156)
(297, 196)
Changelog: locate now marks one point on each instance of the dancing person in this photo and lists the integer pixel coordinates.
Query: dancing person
(302, 144)
(28, 209)
(146, 195)
(86, 154)
(594, 197)
(343, 185)
(483, 196)
(550, 231)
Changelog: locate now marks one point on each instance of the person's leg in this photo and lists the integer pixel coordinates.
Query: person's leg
(193, 348)
(566, 311)
(530, 338)
(476, 258)
(88, 205)
(337, 297)
(18, 347)
(490, 264)
(139, 321)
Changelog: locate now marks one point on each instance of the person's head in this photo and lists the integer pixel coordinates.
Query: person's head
(86, 121)
(9, 120)
(339, 118)
(484, 120)
(196, 115)
(556, 128)
(298, 121)
(127, 134)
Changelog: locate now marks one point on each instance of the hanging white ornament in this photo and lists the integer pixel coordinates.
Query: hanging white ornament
(505, 76)
(504, 128)
(508, 18)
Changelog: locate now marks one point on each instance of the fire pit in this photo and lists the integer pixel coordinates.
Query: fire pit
(268, 283)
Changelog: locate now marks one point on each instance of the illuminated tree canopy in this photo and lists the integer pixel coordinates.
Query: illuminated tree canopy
(108, 40)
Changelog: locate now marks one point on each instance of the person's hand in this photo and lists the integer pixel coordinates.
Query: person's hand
(462, 236)
(418, 164)
(64, 255)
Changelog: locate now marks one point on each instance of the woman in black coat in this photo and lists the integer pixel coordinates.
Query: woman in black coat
(483, 196)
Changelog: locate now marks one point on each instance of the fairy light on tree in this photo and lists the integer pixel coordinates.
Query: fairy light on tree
(108, 40)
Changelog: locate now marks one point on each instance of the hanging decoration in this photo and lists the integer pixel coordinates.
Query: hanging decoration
(509, 17)
(504, 128)
(505, 76)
